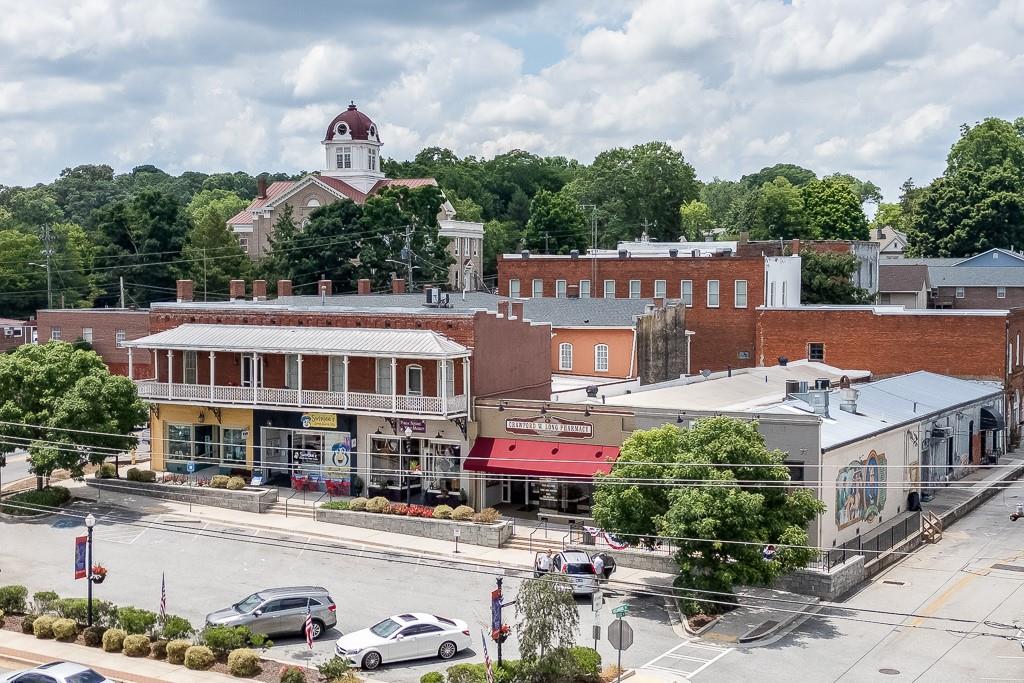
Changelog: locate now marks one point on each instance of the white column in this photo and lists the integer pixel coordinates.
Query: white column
(394, 385)
(131, 364)
(211, 373)
(255, 376)
(300, 379)
(170, 374)
(465, 384)
(444, 385)
(344, 380)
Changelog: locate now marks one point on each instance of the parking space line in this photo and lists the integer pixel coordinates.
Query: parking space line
(717, 657)
(676, 662)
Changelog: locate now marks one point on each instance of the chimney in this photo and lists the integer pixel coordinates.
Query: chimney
(284, 288)
(323, 287)
(744, 236)
(261, 187)
(236, 289)
(363, 286)
(572, 291)
(659, 302)
(848, 400)
(397, 285)
(795, 246)
(503, 308)
(259, 290)
(516, 310)
(184, 291)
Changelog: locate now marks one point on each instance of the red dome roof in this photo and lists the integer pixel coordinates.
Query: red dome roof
(359, 125)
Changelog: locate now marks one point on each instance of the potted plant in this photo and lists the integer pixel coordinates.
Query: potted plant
(98, 573)
(500, 635)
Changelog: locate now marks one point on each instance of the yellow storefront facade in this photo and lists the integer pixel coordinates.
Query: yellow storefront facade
(209, 437)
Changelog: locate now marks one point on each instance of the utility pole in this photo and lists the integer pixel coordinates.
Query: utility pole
(120, 280)
(407, 256)
(204, 273)
(593, 245)
(546, 236)
(48, 252)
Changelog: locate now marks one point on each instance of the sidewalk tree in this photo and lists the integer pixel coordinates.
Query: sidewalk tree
(64, 406)
(739, 502)
(546, 616)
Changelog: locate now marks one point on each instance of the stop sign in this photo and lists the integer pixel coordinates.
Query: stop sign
(620, 634)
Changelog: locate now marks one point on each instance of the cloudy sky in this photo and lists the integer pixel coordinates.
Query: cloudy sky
(874, 87)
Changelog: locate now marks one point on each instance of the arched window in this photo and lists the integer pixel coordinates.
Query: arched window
(601, 358)
(565, 356)
(312, 202)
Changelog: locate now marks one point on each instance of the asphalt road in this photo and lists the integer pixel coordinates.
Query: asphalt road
(17, 468)
(204, 574)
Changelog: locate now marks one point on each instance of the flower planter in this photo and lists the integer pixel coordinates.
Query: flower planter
(250, 499)
(489, 535)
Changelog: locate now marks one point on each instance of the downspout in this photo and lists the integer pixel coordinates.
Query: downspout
(632, 357)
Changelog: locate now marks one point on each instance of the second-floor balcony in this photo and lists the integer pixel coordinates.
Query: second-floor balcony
(370, 371)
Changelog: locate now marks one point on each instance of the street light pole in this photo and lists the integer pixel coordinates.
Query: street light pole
(90, 522)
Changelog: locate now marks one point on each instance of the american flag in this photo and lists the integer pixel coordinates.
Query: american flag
(308, 628)
(163, 598)
(487, 658)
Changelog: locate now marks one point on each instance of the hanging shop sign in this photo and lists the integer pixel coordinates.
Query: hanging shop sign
(545, 425)
(322, 420)
(418, 426)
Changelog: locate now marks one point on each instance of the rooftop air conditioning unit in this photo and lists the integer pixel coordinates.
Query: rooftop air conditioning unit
(574, 254)
(8, 331)
(433, 296)
(623, 253)
(673, 253)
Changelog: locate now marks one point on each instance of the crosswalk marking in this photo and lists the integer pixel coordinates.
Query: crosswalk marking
(680, 660)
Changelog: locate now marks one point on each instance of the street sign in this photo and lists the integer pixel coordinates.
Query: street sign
(620, 634)
(621, 611)
(597, 600)
(597, 633)
(190, 467)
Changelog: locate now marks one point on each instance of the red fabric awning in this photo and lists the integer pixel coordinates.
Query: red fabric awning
(540, 458)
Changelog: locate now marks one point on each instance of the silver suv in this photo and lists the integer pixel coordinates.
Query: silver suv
(280, 611)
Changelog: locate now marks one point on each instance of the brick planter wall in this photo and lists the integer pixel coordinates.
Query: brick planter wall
(246, 500)
(833, 585)
(488, 535)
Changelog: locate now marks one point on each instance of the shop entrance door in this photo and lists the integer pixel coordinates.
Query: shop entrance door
(206, 445)
(252, 371)
(276, 455)
(516, 491)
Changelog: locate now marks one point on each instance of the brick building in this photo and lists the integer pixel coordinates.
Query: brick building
(14, 333)
(993, 279)
(106, 329)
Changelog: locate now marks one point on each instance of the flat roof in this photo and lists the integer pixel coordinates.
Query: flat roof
(893, 310)
(312, 340)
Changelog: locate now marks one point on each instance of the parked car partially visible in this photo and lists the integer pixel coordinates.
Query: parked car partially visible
(276, 611)
(578, 567)
(403, 637)
(55, 672)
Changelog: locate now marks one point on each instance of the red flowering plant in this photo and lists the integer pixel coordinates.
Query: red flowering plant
(501, 635)
(399, 509)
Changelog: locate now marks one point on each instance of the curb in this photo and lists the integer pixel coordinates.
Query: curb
(32, 660)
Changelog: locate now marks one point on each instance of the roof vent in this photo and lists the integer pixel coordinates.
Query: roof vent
(792, 387)
(623, 253)
(695, 253)
(818, 399)
(848, 400)
(783, 361)
(574, 254)
(592, 391)
(525, 253)
(673, 253)
(822, 383)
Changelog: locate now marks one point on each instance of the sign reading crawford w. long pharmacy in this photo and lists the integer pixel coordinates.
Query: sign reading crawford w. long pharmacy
(544, 425)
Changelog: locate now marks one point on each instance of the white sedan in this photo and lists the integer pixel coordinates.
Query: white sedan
(402, 637)
(55, 672)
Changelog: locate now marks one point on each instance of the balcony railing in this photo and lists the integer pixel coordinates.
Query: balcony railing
(307, 398)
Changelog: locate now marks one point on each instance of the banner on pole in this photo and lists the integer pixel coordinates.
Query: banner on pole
(495, 612)
(81, 568)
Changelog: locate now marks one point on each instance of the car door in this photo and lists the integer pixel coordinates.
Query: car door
(265, 618)
(293, 614)
(429, 640)
(404, 645)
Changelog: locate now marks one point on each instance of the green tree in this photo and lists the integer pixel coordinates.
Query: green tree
(22, 284)
(867, 192)
(827, 278)
(557, 224)
(500, 237)
(738, 504)
(212, 254)
(796, 175)
(889, 215)
(71, 265)
(695, 220)
(81, 190)
(546, 616)
(65, 407)
(466, 209)
(723, 198)
(31, 209)
(779, 212)
(328, 246)
(275, 265)
(833, 210)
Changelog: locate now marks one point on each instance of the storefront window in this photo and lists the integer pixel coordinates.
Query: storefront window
(179, 442)
(234, 445)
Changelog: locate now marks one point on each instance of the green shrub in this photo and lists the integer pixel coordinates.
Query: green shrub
(104, 613)
(510, 671)
(44, 602)
(219, 481)
(224, 639)
(443, 512)
(379, 504)
(13, 599)
(176, 651)
(106, 471)
(432, 677)
(71, 608)
(136, 621)
(335, 505)
(293, 674)
(43, 627)
(463, 513)
(147, 476)
(258, 640)
(467, 673)
(2, 615)
(136, 645)
(27, 622)
(244, 663)
(175, 627)
(65, 630)
(357, 504)
(33, 501)
(334, 668)
(586, 664)
(160, 649)
(199, 658)
(93, 635)
(487, 516)
(236, 484)
(133, 474)
(113, 640)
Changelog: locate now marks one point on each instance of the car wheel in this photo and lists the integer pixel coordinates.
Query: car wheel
(371, 661)
(447, 650)
(318, 629)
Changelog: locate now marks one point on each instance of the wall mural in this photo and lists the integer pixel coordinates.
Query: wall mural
(860, 490)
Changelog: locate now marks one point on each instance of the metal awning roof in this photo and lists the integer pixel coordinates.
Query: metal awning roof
(311, 340)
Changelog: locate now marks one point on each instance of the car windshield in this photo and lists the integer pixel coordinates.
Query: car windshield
(385, 628)
(579, 568)
(87, 676)
(249, 604)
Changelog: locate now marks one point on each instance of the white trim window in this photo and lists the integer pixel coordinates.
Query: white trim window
(344, 157)
(1000, 292)
(336, 374)
(712, 293)
(740, 294)
(609, 289)
(119, 338)
(291, 371)
(243, 242)
(960, 294)
(513, 288)
(660, 289)
(816, 352)
(87, 334)
(601, 358)
(191, 365)
(313, 203)
(414, 380)
(54, 334)
(449, 379)
(537, 288)
(383, 376)
(584, 289)
(634, 289)
(565, 356)
(686, 292)
(371, 159)
(560, 286)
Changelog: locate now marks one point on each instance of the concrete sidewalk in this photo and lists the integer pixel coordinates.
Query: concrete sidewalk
(25, 651)
(953, 502)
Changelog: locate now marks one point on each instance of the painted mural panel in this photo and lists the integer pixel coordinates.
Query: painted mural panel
(860, 490)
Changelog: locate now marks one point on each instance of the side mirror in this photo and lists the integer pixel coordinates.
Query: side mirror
(258, 613)
(400, 637)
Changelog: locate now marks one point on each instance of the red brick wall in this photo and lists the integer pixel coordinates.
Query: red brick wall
(512, 359)
(104, 323)
(982, 297)
(960, 345)
(12, 342)
(721, 334)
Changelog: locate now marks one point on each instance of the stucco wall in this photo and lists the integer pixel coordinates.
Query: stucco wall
(621, 361)
(178, 414)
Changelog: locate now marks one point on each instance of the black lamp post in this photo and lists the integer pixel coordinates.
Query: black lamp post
(90, 522)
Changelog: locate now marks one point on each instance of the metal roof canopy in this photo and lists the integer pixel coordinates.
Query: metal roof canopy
(311, 340)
